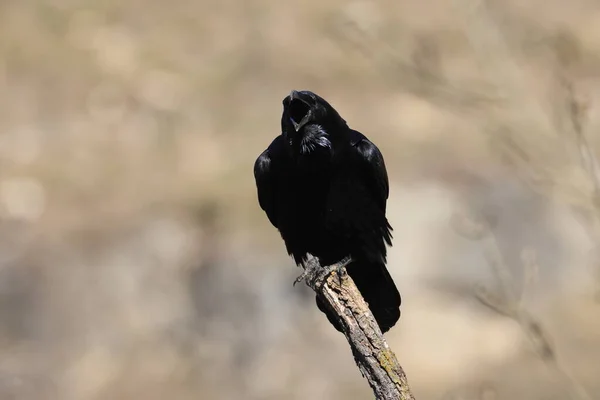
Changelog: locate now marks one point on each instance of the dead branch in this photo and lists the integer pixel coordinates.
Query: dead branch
(374, 358)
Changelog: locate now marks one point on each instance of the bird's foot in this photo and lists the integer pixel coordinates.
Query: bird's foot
(315, 275)
(311, 268)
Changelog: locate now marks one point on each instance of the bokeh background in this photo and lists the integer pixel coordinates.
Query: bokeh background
(135, 261)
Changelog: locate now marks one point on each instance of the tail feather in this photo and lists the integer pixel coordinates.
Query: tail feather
(377, 287)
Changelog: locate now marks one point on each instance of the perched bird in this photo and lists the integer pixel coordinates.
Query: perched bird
(324, 186)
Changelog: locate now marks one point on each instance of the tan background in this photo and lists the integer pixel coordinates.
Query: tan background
(135, 262)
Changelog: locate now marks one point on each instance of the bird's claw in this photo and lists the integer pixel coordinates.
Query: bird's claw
(303, 276)
(310, 271)
(315, 275)
(338, 268)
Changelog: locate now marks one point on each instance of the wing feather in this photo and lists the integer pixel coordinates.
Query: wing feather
(373, 165)
(266, 179)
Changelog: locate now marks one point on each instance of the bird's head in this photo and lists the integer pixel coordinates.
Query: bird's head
(308, 122)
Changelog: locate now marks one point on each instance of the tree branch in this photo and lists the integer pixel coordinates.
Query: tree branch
(374, 358)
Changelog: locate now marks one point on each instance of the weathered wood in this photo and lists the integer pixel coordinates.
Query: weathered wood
(374, 358)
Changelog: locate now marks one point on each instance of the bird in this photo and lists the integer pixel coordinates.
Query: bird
(325, 186)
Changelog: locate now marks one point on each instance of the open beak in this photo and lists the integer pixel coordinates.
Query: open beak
(295, 95)
(297, 126)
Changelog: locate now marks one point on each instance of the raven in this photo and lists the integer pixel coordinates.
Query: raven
(324, 186)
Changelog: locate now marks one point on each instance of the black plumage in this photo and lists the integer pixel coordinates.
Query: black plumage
(324, 186)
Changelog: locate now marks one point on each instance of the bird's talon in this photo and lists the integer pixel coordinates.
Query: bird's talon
(308, 275)
(315, 275)
(300, 278)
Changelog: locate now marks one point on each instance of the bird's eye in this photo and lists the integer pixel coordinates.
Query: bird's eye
(298, 110)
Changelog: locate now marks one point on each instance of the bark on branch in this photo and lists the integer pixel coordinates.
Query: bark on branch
(374, 358)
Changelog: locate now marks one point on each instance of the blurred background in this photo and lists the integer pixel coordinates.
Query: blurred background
(135, 261)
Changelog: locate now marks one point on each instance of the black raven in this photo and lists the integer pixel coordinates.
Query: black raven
(324, 186)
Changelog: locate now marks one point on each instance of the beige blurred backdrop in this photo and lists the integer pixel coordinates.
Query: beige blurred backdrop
(135, 262)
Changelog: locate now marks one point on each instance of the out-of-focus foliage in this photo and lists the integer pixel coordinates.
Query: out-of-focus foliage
(136, 263)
